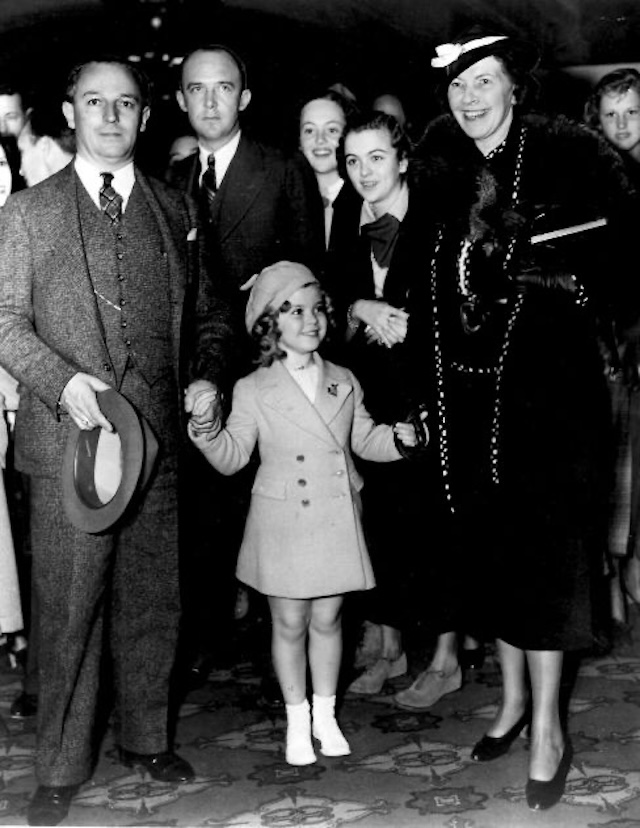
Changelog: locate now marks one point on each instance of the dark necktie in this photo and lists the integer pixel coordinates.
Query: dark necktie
(110, 200)
(382, 235)
(209, 183)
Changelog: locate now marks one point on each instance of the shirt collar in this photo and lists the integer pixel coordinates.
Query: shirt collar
(333, 190)
(398, 208)
(223, 157)
(91, 178)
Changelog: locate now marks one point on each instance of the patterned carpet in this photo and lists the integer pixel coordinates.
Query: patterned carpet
(406, 769)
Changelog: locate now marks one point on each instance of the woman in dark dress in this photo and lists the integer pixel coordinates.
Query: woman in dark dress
(517, 389)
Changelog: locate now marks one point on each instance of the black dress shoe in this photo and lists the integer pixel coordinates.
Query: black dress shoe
(24, 706)
(492, 747)
(472, 659)
(50, 804)
(544, 795)
(164, 767)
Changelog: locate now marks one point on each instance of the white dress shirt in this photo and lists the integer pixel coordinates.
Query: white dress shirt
(123, 180)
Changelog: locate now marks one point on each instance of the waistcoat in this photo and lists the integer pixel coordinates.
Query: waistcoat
(130, 275)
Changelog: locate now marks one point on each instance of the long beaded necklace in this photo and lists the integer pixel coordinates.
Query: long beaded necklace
(469, 316)
(463, 284)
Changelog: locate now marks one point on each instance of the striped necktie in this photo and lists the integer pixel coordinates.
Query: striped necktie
(209, 182)
(110, 200)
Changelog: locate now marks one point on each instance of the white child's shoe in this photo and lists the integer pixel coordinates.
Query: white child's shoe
(299, 750)
(325, 727)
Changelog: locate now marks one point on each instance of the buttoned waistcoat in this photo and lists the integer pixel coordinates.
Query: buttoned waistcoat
(50, 325)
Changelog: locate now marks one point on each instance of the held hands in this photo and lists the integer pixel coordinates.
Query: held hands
(412, 436)
(203, 403)
(79, 399)
(406, 434)
(384, 323)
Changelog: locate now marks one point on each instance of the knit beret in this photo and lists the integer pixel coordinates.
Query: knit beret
(273, 286)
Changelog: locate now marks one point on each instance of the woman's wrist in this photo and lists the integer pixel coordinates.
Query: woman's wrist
(353, 321)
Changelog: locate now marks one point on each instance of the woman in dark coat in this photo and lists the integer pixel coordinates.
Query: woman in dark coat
(516, 322)
(322, 121)
(369, 281)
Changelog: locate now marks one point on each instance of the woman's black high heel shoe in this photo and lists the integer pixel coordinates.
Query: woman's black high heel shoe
(492, 747)
(544, 795)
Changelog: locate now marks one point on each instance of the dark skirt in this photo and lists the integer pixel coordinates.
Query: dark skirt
(523, 502)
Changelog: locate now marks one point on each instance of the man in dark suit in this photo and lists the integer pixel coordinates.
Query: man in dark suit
(261, 208)
(99, 266)
(258, 207)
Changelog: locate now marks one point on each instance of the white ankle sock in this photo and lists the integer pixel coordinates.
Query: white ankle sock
(299, 750)
(325, 727)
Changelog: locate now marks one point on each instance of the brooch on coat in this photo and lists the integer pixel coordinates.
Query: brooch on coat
(333, 389)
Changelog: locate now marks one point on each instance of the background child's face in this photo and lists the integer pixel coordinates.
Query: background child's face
(620, 120)
(304, 325)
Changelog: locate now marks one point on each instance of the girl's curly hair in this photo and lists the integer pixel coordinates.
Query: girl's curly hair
(266, 332)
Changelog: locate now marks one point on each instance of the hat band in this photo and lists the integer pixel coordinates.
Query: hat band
(448, 53)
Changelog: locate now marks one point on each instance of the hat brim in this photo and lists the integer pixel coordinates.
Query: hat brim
(138, 450)
(523, 54)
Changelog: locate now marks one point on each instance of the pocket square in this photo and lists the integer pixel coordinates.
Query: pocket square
(192, 235)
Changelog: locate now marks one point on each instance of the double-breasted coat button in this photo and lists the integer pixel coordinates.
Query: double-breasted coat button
(300, 458)
(302, 482)
(305, 502)
(106, 366)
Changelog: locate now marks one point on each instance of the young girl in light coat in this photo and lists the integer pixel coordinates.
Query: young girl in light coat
(303, 544)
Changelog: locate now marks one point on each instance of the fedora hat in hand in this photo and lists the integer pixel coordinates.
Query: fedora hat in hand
(101, 472)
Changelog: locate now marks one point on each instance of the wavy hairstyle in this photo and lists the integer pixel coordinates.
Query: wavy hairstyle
(372, 119)
(266, 332)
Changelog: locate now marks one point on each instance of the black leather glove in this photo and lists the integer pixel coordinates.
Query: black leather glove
(417, 417)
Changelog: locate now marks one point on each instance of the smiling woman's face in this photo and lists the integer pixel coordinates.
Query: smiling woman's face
(374, 167)
(481, 100)
(5, 177)
(321, 125)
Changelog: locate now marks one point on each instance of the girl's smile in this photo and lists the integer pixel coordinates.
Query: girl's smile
(303, 326)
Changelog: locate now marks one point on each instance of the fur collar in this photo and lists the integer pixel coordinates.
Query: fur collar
(454, 175)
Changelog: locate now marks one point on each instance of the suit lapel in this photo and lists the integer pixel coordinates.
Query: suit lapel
(240, 186)
(191, 176)
(282, 393)
(334, 388)
(174, 241)
(67, 221)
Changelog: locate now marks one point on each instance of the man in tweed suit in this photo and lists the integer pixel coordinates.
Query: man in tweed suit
(90, 300)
